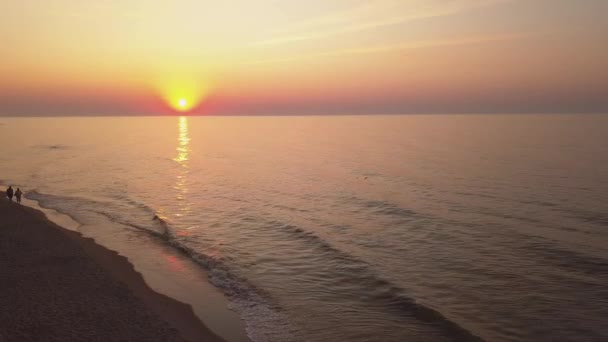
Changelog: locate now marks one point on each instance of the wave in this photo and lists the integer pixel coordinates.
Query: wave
(52, 147)
(373, 288)
(572, 261)
(382, 207)
(265, 321)
(587, 216)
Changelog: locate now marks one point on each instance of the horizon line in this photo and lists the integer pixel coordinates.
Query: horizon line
(299, 114)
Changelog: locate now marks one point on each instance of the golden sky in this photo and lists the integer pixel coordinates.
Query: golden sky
(115, 57)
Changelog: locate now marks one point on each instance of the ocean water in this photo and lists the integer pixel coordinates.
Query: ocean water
(348, 228)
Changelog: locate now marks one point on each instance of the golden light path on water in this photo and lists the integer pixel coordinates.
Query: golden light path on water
(182, 158)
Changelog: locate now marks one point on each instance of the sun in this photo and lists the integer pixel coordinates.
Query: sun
(183, 92)
(182, 103)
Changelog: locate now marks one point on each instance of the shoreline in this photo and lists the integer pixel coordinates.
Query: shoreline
(49, 267)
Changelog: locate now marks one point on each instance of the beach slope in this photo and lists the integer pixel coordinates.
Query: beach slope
(56, 285)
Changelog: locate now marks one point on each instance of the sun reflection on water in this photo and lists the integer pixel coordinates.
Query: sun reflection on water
(183, 148)
(182, 158)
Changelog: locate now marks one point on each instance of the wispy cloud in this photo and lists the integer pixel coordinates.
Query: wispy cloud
(372, 16)
(469, 40)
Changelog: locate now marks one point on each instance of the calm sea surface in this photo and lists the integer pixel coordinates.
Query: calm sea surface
(350, 228)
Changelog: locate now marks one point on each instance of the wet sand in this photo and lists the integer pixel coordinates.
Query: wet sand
(56, 285)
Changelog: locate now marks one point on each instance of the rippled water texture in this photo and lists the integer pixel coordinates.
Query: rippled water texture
(363, 228)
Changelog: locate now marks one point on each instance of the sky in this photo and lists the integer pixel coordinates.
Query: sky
(290, 57)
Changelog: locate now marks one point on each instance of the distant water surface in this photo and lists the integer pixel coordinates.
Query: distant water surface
(350, 228)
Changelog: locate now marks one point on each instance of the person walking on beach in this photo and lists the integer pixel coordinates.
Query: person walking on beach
(18, 194)
(9, 193)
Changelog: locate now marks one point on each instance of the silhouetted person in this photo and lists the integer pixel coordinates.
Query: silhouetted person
(9, 193)
(18, 194)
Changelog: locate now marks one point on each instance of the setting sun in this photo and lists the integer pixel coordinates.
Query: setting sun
(183, 93)
(182, 103)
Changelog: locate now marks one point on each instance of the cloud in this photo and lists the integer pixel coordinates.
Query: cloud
(372, 16)
(469, 40)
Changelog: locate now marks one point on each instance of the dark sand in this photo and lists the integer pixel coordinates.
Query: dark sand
(56, 285)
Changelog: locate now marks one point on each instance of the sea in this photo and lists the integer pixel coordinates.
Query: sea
(342, 228)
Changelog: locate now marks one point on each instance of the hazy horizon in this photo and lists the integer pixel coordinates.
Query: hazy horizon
(294, 58)
(194, 114)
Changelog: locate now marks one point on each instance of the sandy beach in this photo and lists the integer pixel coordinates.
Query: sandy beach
(56, 285)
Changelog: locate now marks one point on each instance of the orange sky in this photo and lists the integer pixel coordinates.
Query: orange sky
(71, 57)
